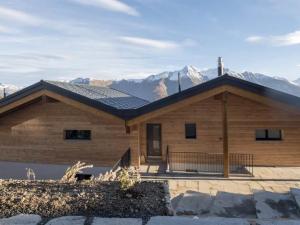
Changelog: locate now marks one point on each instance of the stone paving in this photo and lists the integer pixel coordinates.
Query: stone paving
(159, 220)
(236, 198)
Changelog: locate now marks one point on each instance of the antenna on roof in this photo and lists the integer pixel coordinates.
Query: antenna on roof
(220, 67)
(179, 82)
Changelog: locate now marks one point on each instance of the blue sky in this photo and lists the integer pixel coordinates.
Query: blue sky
(115, 39)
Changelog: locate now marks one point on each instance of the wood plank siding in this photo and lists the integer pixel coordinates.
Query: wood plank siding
(35, 133)
(244, 117)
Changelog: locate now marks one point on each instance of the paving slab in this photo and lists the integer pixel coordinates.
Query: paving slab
(272, 205)
(22, 219)
(194, 203)
(175, 220)
(67, 220)
(116, 221)
(233, 205)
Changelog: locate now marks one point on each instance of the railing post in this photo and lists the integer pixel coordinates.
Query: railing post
(168, 162)
(225, 134)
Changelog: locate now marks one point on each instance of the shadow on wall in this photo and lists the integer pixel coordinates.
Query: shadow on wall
(260, 204)
(16, 170)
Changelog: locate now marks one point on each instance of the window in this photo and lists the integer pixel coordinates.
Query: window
(190, 131)
(77, 134)
(268, 134)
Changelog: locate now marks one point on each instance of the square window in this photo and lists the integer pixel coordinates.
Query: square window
(274, 134)
(190, 131)
(261, 134)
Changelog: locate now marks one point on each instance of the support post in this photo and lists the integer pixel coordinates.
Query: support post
(225, 133)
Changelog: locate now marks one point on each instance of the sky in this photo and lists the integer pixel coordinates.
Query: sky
(116, 39)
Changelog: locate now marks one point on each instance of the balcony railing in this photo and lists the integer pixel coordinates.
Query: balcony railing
(211, 163)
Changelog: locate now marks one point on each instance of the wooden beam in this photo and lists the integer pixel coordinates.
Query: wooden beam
(225, 133)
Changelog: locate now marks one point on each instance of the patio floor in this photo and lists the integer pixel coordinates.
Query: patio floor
(273, 193)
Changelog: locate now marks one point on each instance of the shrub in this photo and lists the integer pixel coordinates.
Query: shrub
(73, 170)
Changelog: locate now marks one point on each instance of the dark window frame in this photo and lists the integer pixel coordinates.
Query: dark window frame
(78, 136)
(192, 126)
(267, 138)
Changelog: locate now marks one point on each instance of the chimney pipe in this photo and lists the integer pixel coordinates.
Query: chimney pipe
(4, 93)
(179, 82)
(220, 67)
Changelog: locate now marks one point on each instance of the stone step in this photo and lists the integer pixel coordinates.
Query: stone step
(194, 203)
(175, 220)
(22, 219)
(272, 205)
(116, 221)
(67, 220)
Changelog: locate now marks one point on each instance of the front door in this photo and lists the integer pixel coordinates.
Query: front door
(153, 140)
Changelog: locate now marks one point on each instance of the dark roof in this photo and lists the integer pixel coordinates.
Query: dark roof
(128, 107)
(105, 95)
(103, 98)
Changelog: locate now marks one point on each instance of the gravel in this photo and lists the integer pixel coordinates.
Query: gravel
(105, 199)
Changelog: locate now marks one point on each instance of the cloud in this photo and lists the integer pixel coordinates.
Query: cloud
(254, 39)
(288, 39)
(112, 5)
(159, 44)
(19, 16)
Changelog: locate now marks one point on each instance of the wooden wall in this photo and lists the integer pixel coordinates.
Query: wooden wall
(244, 117)
(35, 134)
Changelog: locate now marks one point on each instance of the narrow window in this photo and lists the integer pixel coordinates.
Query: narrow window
(77, 134)
(268, 134)
(190, 131)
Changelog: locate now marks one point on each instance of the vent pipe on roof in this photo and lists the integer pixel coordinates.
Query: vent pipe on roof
(220, 67)
(4, 92)
(179, 82)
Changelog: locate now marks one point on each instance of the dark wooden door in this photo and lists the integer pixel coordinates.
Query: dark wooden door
(153, 140)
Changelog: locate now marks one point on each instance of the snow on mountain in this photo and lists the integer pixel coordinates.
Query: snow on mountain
(167, 82)
(163, 84)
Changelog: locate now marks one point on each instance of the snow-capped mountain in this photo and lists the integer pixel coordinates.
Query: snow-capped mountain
(163, 84)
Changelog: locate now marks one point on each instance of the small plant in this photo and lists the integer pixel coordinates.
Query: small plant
(128, 178)
(73, 170)
(30, 174)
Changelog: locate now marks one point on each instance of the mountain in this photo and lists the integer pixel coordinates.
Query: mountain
(163, 84)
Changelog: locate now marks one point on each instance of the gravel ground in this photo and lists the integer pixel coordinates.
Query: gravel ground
(105, 199)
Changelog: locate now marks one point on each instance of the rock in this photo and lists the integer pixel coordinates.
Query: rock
(67, 220)
(272, 205)
(194, 203)
(22, 219)
(116, 221)
(277, 222)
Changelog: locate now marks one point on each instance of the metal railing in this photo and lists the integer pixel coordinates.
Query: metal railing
(124, 161)
(212, 163)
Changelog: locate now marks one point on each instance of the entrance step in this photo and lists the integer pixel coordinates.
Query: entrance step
(194, 203)
(272, 205)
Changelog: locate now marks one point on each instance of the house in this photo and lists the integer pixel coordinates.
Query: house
(216, 125)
